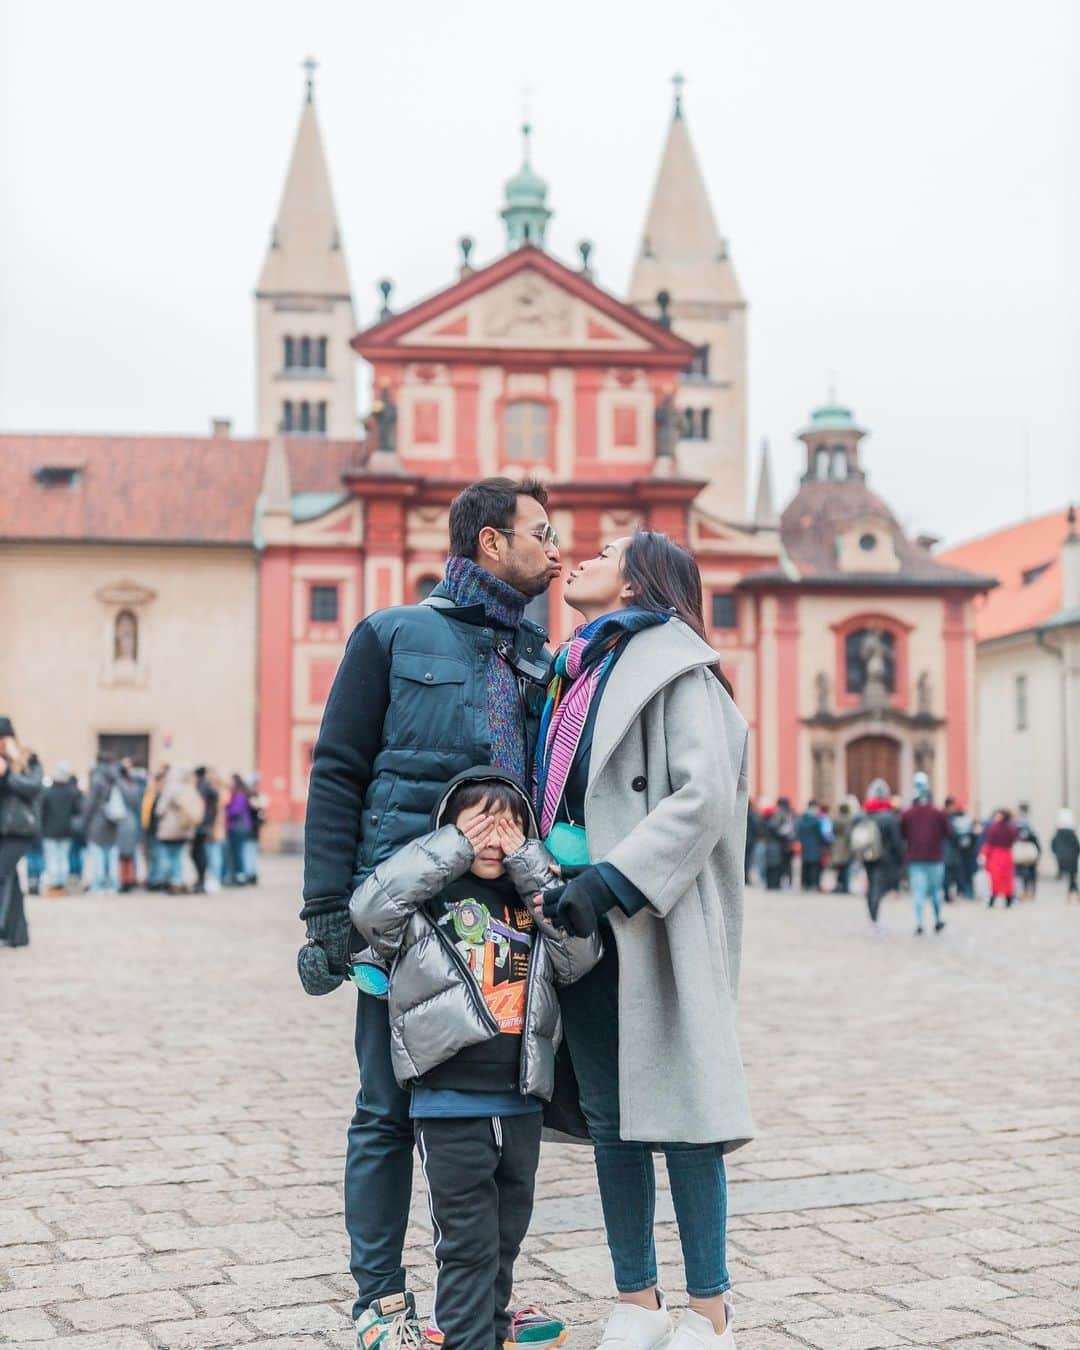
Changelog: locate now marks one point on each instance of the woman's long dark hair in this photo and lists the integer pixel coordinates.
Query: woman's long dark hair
(664, 577)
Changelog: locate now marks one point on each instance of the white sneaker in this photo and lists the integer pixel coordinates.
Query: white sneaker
(695, 1332)
(632, 1328)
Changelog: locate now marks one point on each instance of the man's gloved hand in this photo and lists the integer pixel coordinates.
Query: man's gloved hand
(577, 905)
(323, 962)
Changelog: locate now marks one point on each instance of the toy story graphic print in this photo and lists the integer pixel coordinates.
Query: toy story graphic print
(497, 952)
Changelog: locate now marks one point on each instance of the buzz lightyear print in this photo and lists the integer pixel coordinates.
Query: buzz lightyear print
(497, 953)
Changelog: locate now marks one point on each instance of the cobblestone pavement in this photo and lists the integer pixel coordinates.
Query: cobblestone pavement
(174, 1107)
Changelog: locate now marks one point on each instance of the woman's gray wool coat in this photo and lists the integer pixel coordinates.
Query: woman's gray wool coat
(666, 804)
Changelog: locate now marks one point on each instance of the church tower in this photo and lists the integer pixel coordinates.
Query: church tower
(305, 374)
(683, 276)
(526, 212)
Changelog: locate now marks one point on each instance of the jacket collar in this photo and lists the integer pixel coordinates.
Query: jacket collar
(654, 659)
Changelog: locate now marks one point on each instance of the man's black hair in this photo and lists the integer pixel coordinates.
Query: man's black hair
(497, 796)
(491, 501)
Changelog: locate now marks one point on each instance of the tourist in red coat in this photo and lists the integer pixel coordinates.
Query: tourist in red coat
(996, 851)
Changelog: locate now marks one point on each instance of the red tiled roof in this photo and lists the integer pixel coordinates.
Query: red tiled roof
(153, 489)
(1017, 604)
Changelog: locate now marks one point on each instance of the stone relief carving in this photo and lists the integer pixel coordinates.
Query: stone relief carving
(528, 307)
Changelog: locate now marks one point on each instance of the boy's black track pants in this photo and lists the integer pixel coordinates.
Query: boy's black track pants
(480, 1174)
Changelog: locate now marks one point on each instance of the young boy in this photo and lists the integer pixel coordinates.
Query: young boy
(474, 1026)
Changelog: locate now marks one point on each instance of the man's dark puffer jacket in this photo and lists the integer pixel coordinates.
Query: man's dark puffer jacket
(407, 712)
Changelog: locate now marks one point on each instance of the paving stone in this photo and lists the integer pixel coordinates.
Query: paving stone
(955, 1292)
(203, 1334)
(26, 1325)
(126, 1310)
(848, 1333)
(940, 1325)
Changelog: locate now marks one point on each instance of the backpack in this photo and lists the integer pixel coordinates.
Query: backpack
(190, 806)
(866, 841)
(115, 808)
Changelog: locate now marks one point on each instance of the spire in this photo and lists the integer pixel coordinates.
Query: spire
(682, 251)
(765, 517)
(305, 254)
(526, 212)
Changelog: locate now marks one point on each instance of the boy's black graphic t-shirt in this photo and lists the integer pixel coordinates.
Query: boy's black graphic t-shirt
(492, 930)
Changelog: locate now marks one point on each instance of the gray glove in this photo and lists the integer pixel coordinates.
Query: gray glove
(323, 962)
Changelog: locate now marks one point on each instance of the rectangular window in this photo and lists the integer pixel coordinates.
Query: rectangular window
(626, 427)
(699, 366)
(287, 423)
(525, 424)
(320, 353)
(1021, 703)
(723, 610)
(320, 417)
(425, 422)
(324, 604)
(290, 354)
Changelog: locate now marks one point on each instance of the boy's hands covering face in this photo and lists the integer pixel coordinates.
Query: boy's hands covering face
(508, 835)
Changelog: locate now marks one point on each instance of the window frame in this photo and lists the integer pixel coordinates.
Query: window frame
(321, 591)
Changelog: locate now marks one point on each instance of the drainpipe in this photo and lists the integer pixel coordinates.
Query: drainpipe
(1040, 641)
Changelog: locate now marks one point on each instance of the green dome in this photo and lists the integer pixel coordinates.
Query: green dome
(526, 188)
(832, 417)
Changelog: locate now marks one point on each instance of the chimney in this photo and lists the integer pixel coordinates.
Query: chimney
(221, 428)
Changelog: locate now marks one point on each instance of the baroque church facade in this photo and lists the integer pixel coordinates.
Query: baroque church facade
(849, 645)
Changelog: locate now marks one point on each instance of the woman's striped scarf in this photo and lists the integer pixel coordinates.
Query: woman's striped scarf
(580, 666)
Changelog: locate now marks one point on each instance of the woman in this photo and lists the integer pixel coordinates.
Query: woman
(105, 810)
(641, 775)
(840, 854)
(21, 788)
(1065, 846)
(997, 853)
(179, 810)
(878, 844)
(239, 827)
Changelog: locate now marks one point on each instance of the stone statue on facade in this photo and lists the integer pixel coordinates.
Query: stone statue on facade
(386, 422)
(924, 695)
(873, 654)
(821, 691)
(667, 427)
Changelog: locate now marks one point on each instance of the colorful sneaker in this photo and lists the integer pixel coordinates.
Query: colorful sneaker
(531, 1329)
(390, 1323)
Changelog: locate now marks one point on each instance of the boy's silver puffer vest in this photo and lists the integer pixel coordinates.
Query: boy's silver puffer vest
(435, 1004)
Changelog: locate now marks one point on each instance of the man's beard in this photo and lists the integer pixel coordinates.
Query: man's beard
(528, 583)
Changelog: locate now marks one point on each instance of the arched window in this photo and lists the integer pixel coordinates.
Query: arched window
(287, 416)
(126, 636)
(525, 424)
(305, 416)
(320, 353)
(290, 353)
(821, 463)
(839, 463)
(305, 352)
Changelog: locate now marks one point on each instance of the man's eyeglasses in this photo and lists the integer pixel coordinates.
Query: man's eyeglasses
(547, 536)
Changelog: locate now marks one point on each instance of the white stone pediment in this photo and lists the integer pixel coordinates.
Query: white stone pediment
(525, 310)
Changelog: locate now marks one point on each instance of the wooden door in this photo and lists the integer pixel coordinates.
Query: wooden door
(872, 757)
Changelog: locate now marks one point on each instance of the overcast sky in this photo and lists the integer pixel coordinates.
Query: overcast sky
(899, 183)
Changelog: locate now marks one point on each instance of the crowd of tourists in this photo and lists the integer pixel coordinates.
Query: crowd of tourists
(937, 853)
(178, 829)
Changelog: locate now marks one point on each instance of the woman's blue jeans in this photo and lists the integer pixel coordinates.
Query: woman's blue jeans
(624, 1168)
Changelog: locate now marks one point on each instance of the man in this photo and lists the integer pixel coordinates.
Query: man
(61, 805)
(925, 828)
(423, 692)
(811, 847)
(205, 829)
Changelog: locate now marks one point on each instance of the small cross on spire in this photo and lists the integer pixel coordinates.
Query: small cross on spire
(310, 65)
(832, 387)
(527, 92)
(678, 81)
